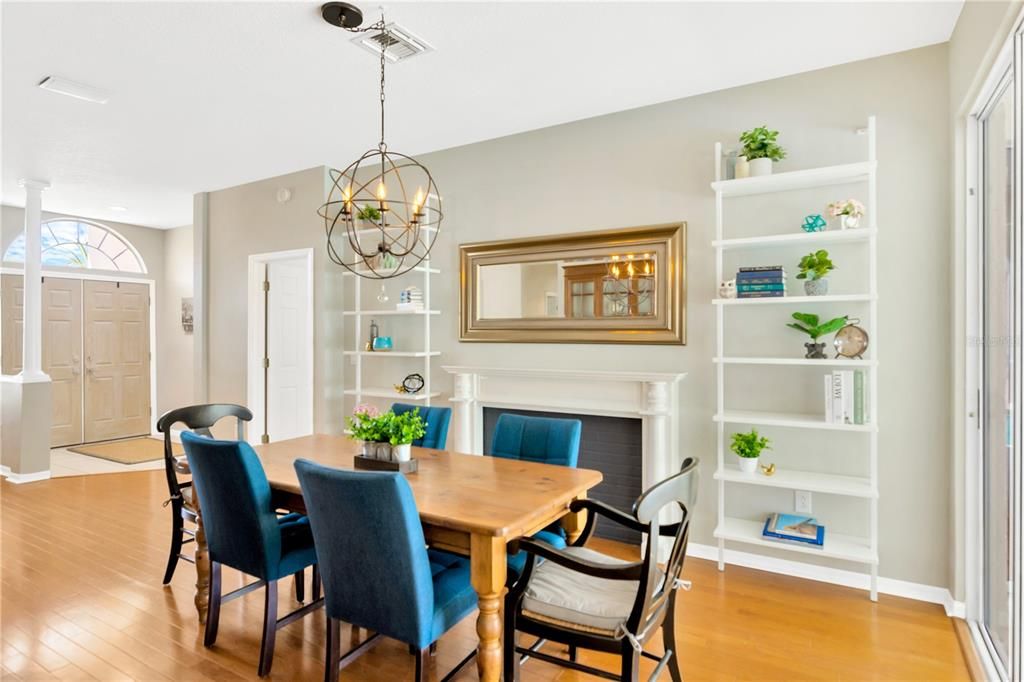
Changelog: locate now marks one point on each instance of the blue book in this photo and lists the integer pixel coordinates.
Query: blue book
(794, 528)
(775, 286)
(760, 294)
(760, 280)
(766, 274)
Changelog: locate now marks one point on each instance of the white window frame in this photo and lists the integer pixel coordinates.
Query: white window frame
(1011, 55)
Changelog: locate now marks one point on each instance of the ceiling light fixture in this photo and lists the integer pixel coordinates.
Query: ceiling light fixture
(371, 211)
(63, 86)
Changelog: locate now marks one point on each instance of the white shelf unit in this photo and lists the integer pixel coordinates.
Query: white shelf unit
(862, 550)
(420, 275)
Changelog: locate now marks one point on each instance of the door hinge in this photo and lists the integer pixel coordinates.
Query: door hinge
(266, 363)
(266, 285)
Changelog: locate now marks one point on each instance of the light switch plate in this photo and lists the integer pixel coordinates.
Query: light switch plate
(802, 501)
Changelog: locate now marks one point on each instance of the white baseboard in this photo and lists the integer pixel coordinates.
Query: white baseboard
(5, 470)
(835, 576)
(25, 478)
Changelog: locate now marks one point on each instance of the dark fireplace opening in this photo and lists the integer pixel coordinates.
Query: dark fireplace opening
(611, 445)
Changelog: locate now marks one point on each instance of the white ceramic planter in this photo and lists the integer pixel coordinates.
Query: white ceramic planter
(760, 167)
(742, 168)
(849, 222)
(748, 465)
(402, 453)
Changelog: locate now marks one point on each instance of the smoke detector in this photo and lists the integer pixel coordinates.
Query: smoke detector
(398, 43)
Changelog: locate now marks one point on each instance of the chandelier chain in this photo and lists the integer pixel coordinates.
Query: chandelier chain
(383, 48)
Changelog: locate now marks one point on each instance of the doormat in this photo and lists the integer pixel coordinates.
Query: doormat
(131, 451)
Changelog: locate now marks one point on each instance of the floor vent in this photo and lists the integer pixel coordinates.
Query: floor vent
(398, 43)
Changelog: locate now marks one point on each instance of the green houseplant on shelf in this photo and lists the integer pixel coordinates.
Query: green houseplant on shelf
(748, 447)
(760, 150)
(809, 324)
(814, 268)
(386, 435)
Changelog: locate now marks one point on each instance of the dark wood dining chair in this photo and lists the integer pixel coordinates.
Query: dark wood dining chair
(589, 600)
(184, 505)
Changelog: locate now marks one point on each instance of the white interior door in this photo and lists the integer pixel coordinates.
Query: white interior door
(284, 334)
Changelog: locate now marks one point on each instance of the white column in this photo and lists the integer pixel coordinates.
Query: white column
(32, 364)
(464, 397)
(656, 406)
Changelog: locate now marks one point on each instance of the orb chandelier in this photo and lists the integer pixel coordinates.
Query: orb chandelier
(383, 212)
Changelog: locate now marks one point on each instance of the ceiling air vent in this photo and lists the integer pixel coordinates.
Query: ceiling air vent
(398, 43)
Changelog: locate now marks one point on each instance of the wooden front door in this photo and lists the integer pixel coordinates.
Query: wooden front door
(117, 360)
(62, 356)
(62, 348)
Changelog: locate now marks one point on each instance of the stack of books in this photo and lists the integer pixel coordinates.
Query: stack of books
(764, 281)
(846, 397)
(794, 529)
(410, 299)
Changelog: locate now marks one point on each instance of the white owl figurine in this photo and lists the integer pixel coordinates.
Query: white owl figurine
(727, 289)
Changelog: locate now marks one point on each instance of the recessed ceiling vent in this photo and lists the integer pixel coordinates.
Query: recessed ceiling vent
(398, 43)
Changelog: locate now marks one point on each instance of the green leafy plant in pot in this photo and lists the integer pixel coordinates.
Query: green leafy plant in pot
(386, 435)
(809, 324)
(814, 268)
(761, 149)
(748, 447)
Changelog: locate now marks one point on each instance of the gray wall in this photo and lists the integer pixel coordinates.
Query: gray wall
(654, 165)
(247, 220)
(175, 356)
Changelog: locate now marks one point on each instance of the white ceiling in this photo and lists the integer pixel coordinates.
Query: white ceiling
(210, 95)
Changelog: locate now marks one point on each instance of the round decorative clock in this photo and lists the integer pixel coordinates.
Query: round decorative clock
(851, 341)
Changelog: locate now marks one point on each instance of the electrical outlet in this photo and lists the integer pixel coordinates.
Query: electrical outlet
(802, 501)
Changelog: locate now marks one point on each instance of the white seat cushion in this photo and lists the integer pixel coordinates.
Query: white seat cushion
(562, 596)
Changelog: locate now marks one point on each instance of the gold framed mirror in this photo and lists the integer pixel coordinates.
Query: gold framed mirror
(613, 286)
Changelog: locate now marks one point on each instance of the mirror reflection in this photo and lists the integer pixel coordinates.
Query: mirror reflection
(597, 286)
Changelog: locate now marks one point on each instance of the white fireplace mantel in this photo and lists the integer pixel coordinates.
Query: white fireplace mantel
(649, 396)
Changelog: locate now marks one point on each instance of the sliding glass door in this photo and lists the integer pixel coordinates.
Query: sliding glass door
(999, 370)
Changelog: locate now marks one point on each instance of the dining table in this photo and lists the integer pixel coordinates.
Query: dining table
(470, 505)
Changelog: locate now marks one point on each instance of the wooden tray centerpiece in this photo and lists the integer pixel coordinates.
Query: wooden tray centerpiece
(386, 438)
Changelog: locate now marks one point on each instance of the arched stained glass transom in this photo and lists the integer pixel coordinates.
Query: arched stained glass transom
(80, 244)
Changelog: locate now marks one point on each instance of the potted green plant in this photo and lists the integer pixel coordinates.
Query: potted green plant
(403, 429)
(761, 149)
(368, 216)
(748, 447)
(809, 324)
(814, 268)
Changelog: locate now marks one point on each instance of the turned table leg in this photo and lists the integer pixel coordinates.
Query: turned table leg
(202, 558)
(487, 573)
(574, 523)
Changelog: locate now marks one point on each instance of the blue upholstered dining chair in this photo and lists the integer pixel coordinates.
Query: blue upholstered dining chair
(244, 532)
(377, 572)
(437, 418)
(537, 439)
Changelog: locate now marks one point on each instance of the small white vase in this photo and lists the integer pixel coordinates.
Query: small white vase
(402, 453)
(742, 168)
(761, 166)
(748, 465)
(382, 451)
(849, 222)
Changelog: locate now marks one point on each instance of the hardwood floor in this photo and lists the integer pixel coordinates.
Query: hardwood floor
(80, 598)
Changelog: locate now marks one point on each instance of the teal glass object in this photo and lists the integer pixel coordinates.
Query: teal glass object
(382, 343)
(813, 223)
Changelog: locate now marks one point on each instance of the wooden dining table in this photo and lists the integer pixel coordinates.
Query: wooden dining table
(470, 505)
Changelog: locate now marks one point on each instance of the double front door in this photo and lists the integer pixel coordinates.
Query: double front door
(96, 351)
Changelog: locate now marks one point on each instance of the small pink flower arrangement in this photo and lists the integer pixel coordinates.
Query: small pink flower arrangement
(850, 207)
(365, 410)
